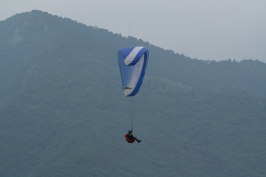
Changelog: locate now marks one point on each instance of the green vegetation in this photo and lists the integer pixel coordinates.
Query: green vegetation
(63, 113)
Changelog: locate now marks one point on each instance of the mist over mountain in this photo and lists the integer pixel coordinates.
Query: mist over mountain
(63, 113)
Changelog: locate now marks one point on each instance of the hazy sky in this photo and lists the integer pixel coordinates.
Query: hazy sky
(203, 29)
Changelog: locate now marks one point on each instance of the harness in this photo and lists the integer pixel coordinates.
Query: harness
(128, 139)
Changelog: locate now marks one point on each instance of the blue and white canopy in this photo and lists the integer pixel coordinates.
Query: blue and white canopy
(132, 63)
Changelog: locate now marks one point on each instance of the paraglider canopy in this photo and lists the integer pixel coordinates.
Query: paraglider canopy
(132, 63)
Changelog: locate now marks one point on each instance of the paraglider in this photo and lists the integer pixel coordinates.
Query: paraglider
(132, 63)
(130, 138)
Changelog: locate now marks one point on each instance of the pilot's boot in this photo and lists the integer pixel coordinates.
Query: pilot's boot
(138, 140)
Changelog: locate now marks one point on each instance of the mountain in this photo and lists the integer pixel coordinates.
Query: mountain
(63, 113)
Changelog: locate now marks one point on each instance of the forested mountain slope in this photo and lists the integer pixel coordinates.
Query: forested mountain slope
(62, 110)
(34, 34)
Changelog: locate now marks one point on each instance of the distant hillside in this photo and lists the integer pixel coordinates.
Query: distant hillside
(49, 34)
(63, 113)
